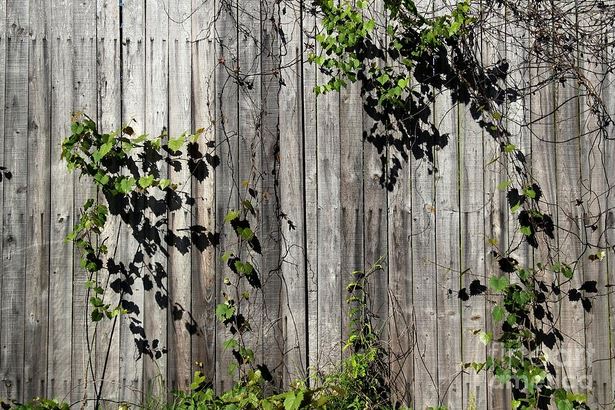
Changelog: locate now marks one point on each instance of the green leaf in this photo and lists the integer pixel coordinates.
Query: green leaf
(125, 185)
(244, 267)
(498, 313)
(383, 79)
(102, 151)
(486, 337)
(530, 193)
(224, 311)
(175, 144)
(503, 186)
(526, 230)
(566, 271)
(293, 401)
(164, 183)
(231, 344)
(146, 181)
(231, 216)
(96, 315)
(564, 405)
(498, 283)
(245, 233)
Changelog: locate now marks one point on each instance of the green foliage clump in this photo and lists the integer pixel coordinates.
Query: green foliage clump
(36, 404)
(361, 381)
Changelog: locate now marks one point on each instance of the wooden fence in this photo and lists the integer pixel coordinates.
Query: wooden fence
(170, 64)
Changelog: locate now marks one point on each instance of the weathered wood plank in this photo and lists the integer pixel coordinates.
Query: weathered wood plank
(14, 223)
(84, 100)
(496, 214)
(62, 213)
(227, 146)
(3, 41)
(424, 277)
(473, 244)
(375, 228)
(351, 191)
(569, 220)
(608, 95)
(203, 262)
(294, 313)
(109, 118)
(401, 327)
(594, 188)
(272, 348)
(180, 120)
(133, 113)
(447, 246)
(38, 213)
(329, 227)
(310, 117)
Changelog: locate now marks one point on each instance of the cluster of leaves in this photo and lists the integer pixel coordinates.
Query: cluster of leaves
(360, 382)
(36, 404)
(129, 172)
(529, 329)
(402, 66)
(229, 312)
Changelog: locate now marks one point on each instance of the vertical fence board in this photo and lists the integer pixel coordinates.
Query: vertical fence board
(37, 262)
(329, 226)
(351, 191)
(133, 114)
(292, 190)
(447, 246)
(109, 119)
(401, 318)
(62, 215)
(496, 214)
(14, 224)
(155, 313)
(84, 100)
(375, 196)
(594, 193)
(569, 221)
(3, 44)
(608, 94)
(310, 119)
(270, 296)
(179, 262)
(227, 146)
(472, 264)
(203, 116)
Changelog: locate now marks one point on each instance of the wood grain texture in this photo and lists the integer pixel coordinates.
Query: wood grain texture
(473, 241)
(594, 158)
(3, 43)
(321, 213)
(329, 275)
(109, 118)
(84, 100)
(130, 375)
(447, 247)
(310, 117)
(15, 202)
(155, 370)
(38, 212)
(569, 220)
(292, 197)
(227, 128)
(179, 267)
(203, 116)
